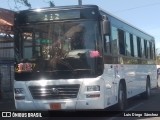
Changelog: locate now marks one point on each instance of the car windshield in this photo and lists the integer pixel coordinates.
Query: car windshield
(59, 47)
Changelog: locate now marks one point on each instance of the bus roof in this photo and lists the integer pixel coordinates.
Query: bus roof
(61, 7)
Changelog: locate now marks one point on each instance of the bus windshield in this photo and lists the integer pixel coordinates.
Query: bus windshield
(60, 49)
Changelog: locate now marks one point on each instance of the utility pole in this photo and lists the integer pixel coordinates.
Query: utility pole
(79, 2)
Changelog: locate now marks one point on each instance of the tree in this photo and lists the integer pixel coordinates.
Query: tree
(19, 3)
(26, 3)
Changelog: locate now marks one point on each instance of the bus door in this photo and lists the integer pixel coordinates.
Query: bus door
(109, 73)
(110, 84)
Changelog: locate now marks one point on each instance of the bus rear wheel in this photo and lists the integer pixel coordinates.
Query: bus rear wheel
(121, 97)
(147, 93)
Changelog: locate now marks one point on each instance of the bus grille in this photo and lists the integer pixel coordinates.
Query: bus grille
(54, 92)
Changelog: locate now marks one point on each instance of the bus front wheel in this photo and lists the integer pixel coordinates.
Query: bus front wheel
(122, 100)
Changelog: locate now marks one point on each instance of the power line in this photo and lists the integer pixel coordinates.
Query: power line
(138, 7)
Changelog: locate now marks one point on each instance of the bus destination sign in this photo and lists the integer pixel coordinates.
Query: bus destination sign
(52, 15)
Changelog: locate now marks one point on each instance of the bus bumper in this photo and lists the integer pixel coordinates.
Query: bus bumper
(95, 103)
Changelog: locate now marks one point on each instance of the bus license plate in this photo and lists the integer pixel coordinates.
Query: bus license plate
(55, 106)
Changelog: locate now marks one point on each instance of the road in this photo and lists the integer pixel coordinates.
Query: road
(140, 106)
(135, 105)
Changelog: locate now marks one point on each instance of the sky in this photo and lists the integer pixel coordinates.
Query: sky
(143, 14)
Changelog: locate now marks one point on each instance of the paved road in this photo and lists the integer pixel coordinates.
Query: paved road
(149, 106)
(135, 104)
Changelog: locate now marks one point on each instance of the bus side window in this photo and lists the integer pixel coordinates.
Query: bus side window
(121, 41)
(154, 51)
(107, 44)
(135, 46)
(148, 51)
(128, 44)
(114, 40)
(145, 49)
(142, 48)
(151, 50)
(132, 46)
(139, 47)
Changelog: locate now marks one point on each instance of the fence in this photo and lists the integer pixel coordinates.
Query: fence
(6, 79)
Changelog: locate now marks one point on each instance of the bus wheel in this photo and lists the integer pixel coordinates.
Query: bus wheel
(121, 97)
(147, 93)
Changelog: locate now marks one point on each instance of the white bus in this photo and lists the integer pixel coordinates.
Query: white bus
(80, 57)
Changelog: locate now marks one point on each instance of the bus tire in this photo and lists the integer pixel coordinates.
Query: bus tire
(122, 99)
(147, 93)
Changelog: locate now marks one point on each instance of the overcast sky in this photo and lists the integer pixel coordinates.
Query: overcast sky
(144, 14)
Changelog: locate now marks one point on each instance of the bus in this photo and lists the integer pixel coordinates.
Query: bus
(80, 57)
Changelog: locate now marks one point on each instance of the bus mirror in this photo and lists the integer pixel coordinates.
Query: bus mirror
(106, 26)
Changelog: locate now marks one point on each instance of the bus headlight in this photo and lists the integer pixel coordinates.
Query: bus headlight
(19, 93)
(93, 88)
